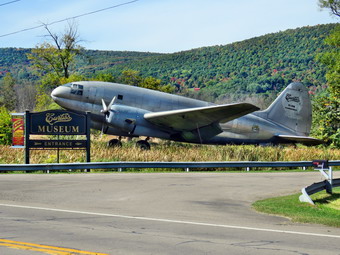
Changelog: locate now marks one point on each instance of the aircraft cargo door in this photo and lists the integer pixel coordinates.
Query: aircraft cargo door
(92, 95)
(95, 95)
(94, 98)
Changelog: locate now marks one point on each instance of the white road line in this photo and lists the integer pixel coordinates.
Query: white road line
(172, 221)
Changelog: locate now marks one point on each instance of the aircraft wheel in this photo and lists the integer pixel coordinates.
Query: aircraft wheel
(143, 145)
(114, 143)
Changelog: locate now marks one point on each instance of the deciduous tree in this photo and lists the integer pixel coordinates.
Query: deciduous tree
(7, 93)
(327, 105)
(332, 5)
(53, 60)
(58, 55)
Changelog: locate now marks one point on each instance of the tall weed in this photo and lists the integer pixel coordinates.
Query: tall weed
(171, 152)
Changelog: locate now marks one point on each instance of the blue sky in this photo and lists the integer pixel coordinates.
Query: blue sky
(157, 25)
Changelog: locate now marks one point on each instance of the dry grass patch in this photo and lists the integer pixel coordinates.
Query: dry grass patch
(165, 151)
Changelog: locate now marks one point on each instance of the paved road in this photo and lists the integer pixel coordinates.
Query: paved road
(154, 213)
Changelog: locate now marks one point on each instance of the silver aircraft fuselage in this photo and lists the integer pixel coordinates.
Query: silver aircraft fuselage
(135, 103)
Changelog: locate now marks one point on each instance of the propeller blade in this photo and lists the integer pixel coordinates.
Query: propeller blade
(112, 102)
(105, 108)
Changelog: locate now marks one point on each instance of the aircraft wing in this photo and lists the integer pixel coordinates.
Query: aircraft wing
(193, 118)
(307, 140)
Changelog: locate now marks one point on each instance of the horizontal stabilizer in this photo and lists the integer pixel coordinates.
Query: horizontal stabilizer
(307, 140)
(193, 118)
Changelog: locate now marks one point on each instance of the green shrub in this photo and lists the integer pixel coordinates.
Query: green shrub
(5, 127)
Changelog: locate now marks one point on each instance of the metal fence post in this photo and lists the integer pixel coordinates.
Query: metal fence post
(27, 137)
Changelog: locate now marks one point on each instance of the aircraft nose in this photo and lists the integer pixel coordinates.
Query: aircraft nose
(59, 92)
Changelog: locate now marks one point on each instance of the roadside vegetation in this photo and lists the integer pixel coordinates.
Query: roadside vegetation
(167, 151)
(326, 210)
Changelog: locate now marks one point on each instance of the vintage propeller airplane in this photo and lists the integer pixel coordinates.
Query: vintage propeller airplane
(129, 111)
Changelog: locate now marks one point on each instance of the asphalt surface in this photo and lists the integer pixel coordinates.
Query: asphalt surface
(154, 213)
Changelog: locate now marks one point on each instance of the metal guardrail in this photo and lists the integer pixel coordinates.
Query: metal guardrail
(185, 165)
(323, 167)
(316, 187)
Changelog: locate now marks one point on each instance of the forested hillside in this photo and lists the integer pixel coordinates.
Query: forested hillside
(259, 65)
(14, 60)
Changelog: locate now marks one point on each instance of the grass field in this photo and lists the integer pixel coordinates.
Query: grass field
(326, 210)
(165, 151)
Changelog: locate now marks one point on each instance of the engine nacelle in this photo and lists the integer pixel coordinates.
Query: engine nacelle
(131, 120)
(125, 117)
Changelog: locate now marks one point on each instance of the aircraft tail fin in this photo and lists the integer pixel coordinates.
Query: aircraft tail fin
(292, 109)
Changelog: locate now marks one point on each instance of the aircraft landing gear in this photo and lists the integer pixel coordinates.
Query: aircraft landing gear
(114, 143)
(143, 144)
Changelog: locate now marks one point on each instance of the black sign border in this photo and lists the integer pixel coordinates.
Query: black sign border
(28, 141)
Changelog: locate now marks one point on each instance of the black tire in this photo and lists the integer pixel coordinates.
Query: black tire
(114, 143)
(143, 145)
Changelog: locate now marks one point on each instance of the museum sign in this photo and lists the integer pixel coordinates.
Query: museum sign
(57, 123)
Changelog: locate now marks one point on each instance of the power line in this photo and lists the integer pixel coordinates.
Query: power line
(9, 2)
(62, 20)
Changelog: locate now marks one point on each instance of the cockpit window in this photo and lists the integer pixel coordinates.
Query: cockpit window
(77, 89)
